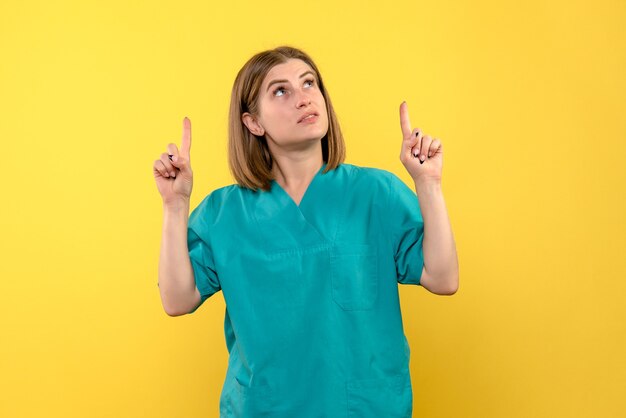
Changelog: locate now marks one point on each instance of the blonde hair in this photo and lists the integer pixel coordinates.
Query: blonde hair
(249, 157)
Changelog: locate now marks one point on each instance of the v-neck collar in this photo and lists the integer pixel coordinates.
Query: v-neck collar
(285, 226)
(280, 189)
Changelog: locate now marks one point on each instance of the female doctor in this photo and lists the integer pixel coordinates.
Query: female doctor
(307, 250)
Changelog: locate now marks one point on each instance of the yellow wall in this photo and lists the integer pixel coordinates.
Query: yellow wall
(528, 99)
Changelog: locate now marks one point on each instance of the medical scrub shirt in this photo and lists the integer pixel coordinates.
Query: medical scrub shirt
(312, 323)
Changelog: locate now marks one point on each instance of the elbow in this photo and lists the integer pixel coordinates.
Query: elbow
(446, 287)
(183, 306)
(440, 285)
(174, 312)
(170, 311)
(453, 286)
(177, 304)
(451, 291)
(174, 309)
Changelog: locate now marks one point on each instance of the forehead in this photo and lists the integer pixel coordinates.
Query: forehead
(293, 68)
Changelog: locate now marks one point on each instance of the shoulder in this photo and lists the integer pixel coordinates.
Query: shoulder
(224, 199)
(382, 188)
(362, 172)
(371, 177)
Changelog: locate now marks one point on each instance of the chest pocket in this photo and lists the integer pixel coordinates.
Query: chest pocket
(354, 276)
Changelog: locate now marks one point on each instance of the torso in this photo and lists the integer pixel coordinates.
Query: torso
(311, 293)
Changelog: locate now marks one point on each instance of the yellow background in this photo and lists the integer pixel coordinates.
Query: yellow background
(528, 99)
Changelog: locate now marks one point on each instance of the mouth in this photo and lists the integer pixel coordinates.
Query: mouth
(308, 116)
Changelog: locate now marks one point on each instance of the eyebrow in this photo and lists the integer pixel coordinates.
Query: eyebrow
(285, 81)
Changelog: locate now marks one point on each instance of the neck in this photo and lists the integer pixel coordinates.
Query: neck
(293, 173)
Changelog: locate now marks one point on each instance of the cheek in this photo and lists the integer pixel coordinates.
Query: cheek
(321, 105)
(276, 123)
(325, 111)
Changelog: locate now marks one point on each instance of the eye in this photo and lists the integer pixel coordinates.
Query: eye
(310, 80)
(277, 90)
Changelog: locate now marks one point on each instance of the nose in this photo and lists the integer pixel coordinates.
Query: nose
(303, 100)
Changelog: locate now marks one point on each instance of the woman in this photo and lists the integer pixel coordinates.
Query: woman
(307, 250)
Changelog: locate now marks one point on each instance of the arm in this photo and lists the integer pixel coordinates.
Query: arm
(422, 156)
(442, 276)
(176, 280)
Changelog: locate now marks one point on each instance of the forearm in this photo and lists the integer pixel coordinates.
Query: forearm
(440, 257)
(176, 281)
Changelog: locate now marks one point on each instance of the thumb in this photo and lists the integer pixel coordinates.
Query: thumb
(181, 163)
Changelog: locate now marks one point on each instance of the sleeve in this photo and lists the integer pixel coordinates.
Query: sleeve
(407, 231)
(200, 253)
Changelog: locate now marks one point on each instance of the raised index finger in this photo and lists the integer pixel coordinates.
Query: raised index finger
(405, 123)
(185, 146)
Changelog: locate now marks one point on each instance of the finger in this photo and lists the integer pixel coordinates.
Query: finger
(181, 163)
(168, 165)
(409, 144)
(160, 168)
(405, 123)
(418, 139)
(434, 147)
(426, 141)
(172, 149)
(185, 146)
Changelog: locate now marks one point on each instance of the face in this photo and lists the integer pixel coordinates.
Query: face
(289, 92)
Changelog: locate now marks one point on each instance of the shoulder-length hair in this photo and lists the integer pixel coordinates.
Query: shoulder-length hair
(249, 157)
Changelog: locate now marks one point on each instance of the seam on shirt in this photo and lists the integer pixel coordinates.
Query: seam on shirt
(391, 213)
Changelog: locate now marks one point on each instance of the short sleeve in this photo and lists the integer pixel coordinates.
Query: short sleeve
(200, 253)
(407, 231)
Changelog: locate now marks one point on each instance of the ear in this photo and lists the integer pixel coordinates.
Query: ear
(252, 124)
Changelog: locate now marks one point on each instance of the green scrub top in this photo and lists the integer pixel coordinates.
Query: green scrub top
(312, 324)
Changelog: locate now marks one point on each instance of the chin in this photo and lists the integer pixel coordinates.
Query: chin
(304, 140)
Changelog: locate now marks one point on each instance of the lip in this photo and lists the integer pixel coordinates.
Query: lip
(308, 114)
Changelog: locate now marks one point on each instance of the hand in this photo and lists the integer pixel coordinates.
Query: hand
(173, 176)
(414, 146)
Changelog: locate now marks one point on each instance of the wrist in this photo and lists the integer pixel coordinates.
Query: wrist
(428, 188)
(175, 206)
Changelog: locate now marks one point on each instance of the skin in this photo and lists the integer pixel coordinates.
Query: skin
(174, 178)
(295, 147)
(174, 181)
(422, 156)
(297, 153)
